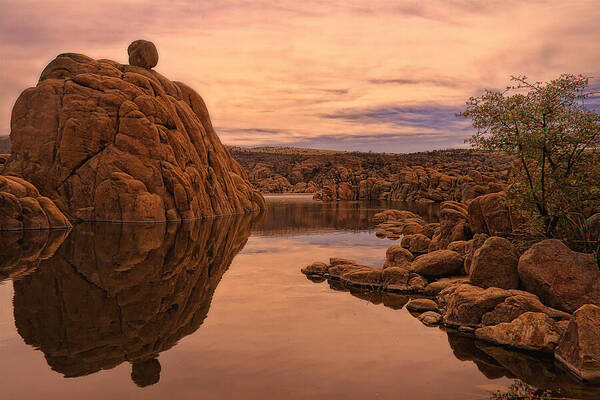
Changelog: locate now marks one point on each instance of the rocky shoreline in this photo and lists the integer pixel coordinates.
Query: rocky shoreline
(545, 299)
(426, 178)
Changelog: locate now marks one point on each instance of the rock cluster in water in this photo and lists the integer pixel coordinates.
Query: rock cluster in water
(546, 299)
(113, 142)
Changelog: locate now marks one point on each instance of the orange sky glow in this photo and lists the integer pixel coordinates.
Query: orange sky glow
(349, 75)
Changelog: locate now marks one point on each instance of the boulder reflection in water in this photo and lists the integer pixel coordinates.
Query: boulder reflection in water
(114, 293)
(22, 251)
(533, 369)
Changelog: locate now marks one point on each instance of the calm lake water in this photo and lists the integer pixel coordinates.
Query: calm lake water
(219, 310)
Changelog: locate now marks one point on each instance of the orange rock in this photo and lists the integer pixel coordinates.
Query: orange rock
(112, 142)
(142, 53)
(22, 207)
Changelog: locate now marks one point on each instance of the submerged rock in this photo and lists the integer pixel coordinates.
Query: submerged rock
(113, 142)
(579, 348)
(422, 305)
(21, 252)
(430, 318)
(316, 268)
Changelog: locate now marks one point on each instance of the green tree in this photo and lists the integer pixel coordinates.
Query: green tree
(554, 137)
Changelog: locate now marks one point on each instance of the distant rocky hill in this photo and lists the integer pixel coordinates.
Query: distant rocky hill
(4, 145)
(433, 176)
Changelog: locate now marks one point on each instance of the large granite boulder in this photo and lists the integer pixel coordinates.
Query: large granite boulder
(416, 244)
(517, 304)
(469, 305)
(495, 265)
(560, 277)
(530, 331)
(454, 225)
(490, 214)
(579, 348)
(22, 207)
(466, 304)
(472, 246)
(113, 142)
(397, 256)
(439, 263)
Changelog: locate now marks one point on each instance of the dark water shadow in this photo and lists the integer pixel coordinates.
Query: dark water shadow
(536, 374)
(538, 371)
(116, 293)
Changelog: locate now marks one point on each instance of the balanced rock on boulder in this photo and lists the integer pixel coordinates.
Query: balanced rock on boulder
(143, 53)
(113, 142)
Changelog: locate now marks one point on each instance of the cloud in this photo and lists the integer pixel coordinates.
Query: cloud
(432, 116)
(449, 82)
(381, 74)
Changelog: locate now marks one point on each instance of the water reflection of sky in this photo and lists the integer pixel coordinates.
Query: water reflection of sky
(265, 332)
(360, 246)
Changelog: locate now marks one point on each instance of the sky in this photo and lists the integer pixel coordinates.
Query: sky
(378, 75)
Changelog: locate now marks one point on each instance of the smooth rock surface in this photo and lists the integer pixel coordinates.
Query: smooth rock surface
(530, 331)
(397, 256)
(438, 263)
(416, 244)
(490, 214)
(466, 304)
(142, 53)
(430, 318)
(560, 277)
(422, 305)
(22, 207)
(519, 303)
(495, 265)
(579, 347)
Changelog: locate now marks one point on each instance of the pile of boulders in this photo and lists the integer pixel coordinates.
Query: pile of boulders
(546, 299)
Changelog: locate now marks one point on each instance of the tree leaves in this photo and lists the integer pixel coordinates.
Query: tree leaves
(554, 138)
